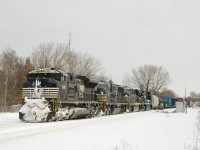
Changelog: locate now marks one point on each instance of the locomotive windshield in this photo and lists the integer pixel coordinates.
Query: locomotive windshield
(47, 77)
(101, 87)
(55, 76)
(127, 91)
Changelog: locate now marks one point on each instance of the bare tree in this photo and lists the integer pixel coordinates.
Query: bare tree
(160, 80)
(48, 55)
(194, 95)
(126, 80)
(59, 56)
(77, 62)
(22, 68)
(149, 77)
(28, 65)
(12, 76)
(8, 64)
(89, 65)
(167, 93)
(41, 55)
(72, 62)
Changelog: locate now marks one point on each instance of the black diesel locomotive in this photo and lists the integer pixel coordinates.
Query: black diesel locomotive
(51, 94)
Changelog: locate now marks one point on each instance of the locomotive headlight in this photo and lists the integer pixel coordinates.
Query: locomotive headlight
(41, 70)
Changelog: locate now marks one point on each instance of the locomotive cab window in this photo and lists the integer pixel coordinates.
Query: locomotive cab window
(56, 76)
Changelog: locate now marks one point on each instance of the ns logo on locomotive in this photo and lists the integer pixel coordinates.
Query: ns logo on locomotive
(51, 95)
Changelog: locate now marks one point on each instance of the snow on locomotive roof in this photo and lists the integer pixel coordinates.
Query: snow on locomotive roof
(47, 70)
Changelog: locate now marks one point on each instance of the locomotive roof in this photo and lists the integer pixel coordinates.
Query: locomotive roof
(47, 70)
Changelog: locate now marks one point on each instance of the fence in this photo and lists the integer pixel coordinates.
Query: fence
(14, 108)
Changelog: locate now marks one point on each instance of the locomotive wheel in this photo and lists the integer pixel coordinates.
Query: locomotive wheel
(107, 112)
(132, 108)
(90, 115)
(123, 109)
(49, 116)
(148, 107)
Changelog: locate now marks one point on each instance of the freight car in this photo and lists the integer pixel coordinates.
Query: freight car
(51, 94)
(170, 101)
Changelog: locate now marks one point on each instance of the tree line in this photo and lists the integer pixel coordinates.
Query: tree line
(195, 96)
(13, 70)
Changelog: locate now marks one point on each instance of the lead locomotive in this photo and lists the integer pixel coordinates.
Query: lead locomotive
(51, 94)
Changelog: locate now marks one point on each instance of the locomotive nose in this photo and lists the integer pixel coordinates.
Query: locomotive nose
(21, 116)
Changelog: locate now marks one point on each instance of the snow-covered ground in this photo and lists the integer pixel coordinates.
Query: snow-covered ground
(149, 130)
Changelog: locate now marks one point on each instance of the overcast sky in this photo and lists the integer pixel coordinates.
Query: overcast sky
(123, 34)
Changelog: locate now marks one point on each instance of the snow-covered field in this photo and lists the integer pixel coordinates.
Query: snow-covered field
(149, 130)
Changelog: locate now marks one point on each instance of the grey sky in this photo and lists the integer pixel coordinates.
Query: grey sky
(122, 33)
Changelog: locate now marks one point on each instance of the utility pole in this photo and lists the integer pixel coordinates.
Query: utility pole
(185, 101)
(69, 41)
